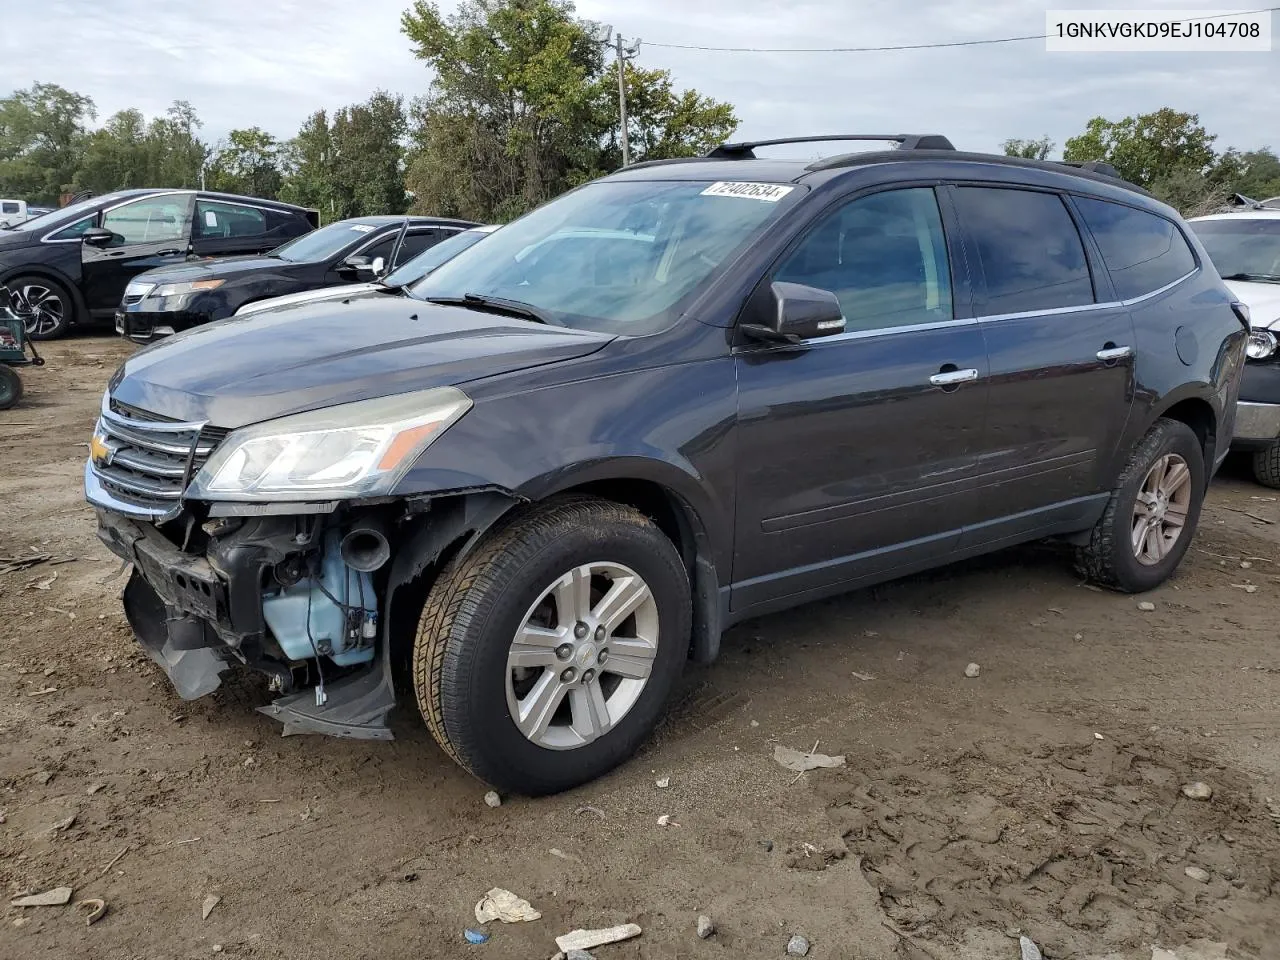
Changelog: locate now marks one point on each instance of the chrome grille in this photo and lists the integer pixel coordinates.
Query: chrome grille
(131, 298)
(150, 458)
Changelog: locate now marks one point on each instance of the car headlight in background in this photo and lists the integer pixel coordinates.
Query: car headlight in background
(183, 289)
(137, 289)
(1262, 344)
(356, 449)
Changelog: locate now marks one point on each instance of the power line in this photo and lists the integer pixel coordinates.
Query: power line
(911, 46)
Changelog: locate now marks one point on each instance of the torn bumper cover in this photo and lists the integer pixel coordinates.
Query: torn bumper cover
(198, 616)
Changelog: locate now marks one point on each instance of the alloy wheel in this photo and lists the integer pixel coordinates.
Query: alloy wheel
(1160, 509)
(40, 307)
(583, 655)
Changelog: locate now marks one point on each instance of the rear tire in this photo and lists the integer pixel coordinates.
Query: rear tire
(1133, 548)
(10, 387)
(46, 306)
(1266, 466)
(517, 584)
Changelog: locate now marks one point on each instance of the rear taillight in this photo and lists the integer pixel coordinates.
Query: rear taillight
(1242, 313)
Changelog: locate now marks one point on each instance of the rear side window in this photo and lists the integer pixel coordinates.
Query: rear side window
(284, 225)
(1031, 253)
(884, 256)
(224, 221)
(1143, 252)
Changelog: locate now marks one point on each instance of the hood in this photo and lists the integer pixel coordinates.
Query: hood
(319, 295)
(1262, 299)
(248, 369)
(225, 268)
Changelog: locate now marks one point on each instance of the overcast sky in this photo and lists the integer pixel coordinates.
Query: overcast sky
(270, 63)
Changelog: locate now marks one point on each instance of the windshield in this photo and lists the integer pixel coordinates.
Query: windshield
(425, 262)
(615, 256)
(74, 211)
(1244, 247)
(320, 245)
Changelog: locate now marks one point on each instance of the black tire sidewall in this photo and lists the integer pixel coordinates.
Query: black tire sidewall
(68, 304)
(479, 722)
(1169, 437)
(10, 387)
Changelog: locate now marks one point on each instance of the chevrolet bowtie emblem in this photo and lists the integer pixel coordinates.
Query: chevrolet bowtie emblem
(100, 451)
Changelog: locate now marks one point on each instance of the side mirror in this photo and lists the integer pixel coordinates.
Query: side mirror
(378, 266)
(361, 266)
(801, 313)
(97, 237)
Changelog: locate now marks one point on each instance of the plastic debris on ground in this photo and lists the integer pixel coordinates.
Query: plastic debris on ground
(798, 762)
(475, 936)
(1029, 949)
(56, 897)
(586, 939)
(499, 904)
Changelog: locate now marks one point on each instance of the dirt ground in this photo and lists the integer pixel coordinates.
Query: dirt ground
(1042, 797)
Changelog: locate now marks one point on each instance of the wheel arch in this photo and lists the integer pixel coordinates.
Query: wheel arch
(1194, 409)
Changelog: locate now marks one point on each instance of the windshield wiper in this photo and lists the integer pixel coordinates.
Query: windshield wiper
(1253, 277)
(512, 308)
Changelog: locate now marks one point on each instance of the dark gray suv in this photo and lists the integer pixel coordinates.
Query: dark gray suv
(678, 397)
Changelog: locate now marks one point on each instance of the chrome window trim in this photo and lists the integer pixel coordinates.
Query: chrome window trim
(68, 226)
(904, 328)
(210, 198)
(1165, 289)
(1030, 314)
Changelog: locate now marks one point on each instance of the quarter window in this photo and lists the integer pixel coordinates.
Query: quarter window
(1143, 252)
(1030, 251)
(884, 256)
(150, 220)
(224, 221)
(75, 231)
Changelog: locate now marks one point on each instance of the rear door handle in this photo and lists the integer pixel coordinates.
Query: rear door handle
(949, 378)
(1111, 353)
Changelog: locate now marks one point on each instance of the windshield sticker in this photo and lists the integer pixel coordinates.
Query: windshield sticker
(768, 192)
(362, 228)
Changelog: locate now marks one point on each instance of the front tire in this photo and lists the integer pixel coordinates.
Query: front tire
(45, 306)
(546, 655)
(10, 387)
(1266, 466)
(1149, 521)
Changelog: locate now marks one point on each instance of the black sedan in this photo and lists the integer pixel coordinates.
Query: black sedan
(71, 266)
(164, 301)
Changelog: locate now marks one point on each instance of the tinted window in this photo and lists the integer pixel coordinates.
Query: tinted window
(1242, 248)
(1030, 251)
(380, 249)
(416, 241)
(8, 207)
(73, 232)
(220, 221)
(442, 252)
(150, 220)
(1143, 252)
(884, 256)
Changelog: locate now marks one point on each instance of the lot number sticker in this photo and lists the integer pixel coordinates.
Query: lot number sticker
(768, 192)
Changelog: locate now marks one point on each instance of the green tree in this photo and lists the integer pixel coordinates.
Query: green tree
(523, 105)
(1148, 147)
(176, 154)
(1029, 149)
(247, 163)
(127, 151)
(42, 131)
(1257, 174)
(352, 165)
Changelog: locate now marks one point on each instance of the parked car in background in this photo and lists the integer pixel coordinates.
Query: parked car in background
(71, 266)
(165, 301)
(399, 280)
(13, 212)
(687, 394)
(1245, 248)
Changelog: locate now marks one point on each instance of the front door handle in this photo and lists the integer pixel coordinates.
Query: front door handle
(1111, 353)
(953, 377)
(168, 253)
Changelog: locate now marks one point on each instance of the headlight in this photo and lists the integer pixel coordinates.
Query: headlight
(182, 289)
(138, 288)
(356, 449)
(1262, 344)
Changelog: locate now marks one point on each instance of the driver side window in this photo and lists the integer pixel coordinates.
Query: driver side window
(884, 256)
(150, 220)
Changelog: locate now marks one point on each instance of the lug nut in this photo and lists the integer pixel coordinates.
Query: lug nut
(599, 634)
(569, 675)
(603, 656)
(588, 676)
(580, 630)
(564, 651)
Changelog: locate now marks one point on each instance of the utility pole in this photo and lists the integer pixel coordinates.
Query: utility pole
(622, 98)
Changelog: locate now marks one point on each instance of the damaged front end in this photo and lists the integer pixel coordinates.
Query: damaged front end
(298, 590)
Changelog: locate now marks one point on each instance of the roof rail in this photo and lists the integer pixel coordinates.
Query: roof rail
(745, 150)
(1093, 166)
